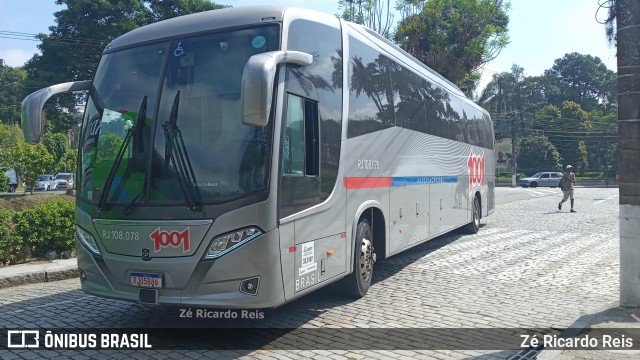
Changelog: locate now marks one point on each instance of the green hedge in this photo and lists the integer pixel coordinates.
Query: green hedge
(4, 182)
(11, 245)
(48, 226)
(35, 231)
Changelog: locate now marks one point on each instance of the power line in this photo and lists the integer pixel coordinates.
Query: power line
(4, 34)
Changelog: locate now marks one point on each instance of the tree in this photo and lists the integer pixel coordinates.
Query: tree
(58, 146)
(572, 130)
(547, 118)
(543, 105)
(585, 80)
(505, 94)
(10, 137)
(602, 145)
(11, 82)
(409, 8)
(73, 48)
(500, 93)
(375, 14)
(352, 10)
(456, 37)
(29, 161)
(569, 129)
(545, 91)
(578, 78)
(68, 161)
(536, 152)
(167, 9)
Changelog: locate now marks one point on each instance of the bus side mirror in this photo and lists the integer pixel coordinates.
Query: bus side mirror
(32, 115)
(258, 80)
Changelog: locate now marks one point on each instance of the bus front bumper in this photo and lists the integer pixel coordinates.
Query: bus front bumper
(249, 277)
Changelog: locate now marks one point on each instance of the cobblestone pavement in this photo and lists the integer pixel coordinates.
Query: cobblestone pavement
(529, 266)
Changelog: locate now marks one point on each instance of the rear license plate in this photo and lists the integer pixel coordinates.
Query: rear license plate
(146, 280)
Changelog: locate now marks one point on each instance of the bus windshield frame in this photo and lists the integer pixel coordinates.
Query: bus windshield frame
(142, 146)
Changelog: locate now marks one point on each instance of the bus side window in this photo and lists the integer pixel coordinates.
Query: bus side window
(312, 138)
(301, 153)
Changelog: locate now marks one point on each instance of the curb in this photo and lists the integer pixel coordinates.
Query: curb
(39, 277)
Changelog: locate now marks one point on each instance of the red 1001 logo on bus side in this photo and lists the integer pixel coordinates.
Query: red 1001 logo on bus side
(476, 171)
(162, 238)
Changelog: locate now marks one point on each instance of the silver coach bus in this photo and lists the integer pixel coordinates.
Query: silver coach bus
(244, 157)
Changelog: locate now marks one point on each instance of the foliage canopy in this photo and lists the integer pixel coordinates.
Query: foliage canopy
(456, 37)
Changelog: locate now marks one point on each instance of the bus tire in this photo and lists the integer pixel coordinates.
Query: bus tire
(474, 226)
(358, 282)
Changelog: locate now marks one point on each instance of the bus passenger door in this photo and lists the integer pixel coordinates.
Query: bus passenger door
(299, 181)
(316, 243)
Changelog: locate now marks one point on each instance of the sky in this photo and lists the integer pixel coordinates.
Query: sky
(540, 31)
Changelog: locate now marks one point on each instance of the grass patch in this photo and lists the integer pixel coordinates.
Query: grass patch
(27, 201)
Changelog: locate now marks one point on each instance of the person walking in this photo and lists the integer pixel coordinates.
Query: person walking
(566, 185)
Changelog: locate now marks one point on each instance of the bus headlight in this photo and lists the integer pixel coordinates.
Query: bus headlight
(88, 240)
(224, 243)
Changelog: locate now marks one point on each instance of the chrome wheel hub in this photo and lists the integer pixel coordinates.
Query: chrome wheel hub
(367, 258)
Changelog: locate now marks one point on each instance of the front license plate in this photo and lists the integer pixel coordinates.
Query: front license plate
(146, 280)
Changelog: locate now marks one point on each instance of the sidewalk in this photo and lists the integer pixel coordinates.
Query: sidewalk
(611, 320)
(39, 272)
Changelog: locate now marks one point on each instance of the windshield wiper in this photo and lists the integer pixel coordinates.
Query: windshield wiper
(130, 205)
(132, 132)
(175, 150)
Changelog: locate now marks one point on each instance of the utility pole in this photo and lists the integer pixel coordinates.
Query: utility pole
(518, 77)
(628, 39)
(514, 143)
(514, 140)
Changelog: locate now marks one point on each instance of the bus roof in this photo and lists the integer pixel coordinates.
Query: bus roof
(202, 22)
(247, 15)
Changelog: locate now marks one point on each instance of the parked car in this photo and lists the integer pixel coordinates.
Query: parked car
(45, 182)
(550, 179)
(65, 180)
(13, 179)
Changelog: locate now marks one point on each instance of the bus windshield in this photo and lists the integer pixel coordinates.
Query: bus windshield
(162, 123)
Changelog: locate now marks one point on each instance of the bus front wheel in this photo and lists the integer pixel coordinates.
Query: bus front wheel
(474, 226)
(358, 282)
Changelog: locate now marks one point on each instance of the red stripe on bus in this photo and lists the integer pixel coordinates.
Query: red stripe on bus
(366, 182)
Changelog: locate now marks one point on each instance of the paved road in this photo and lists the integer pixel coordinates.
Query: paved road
(529, 266)
(507, 194)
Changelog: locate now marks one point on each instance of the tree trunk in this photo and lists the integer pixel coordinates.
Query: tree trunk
(628, 38)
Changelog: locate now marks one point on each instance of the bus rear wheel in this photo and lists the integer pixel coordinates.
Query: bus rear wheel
(358, 282)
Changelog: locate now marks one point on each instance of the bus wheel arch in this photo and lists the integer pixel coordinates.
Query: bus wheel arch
(369, 246)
